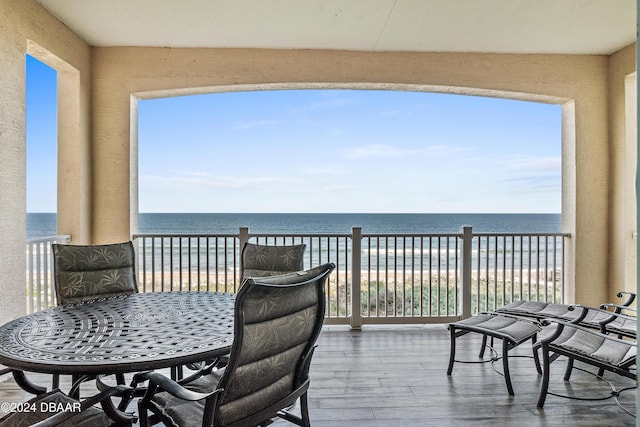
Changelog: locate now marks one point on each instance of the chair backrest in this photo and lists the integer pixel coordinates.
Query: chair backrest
(88, 272)
(277, 322)
(268, 260)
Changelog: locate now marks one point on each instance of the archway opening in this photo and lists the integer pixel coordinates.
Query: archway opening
(348, 151)
(42, 139)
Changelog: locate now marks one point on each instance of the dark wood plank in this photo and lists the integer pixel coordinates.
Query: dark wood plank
(396, 376)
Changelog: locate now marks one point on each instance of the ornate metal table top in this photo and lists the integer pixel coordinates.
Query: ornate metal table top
(121, 334)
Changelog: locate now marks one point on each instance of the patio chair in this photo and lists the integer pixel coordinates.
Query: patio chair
(587, 316)
(45, 410)
(623, 322)
(592, 347)
(88, 272)
(609, 323)
(268, 260)
(277, 322)
(259, 261)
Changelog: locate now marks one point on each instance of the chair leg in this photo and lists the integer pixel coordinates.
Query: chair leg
(452, 352)
(484, 345)
(304, 410)
(143, 417)
(536, 358)
(505, 366)
(24, 383)
(544, 387)
(568, 370)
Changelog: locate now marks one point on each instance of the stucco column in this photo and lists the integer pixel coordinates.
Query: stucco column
(12, 177)
(25, 27)
(111, 162)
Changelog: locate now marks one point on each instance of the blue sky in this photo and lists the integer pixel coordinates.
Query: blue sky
(328, 151)
(42, 135)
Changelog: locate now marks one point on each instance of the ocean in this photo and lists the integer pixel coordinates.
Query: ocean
(44, 224)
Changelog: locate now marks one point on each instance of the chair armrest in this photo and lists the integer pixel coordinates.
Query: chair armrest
(583, 314)
(563, 324)
(210, 366)
(170, 386)
(618, 307)
(611, 316)
(631, 296)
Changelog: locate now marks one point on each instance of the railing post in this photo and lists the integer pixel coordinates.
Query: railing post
(465, 295)
(243, 237)
(356, 277)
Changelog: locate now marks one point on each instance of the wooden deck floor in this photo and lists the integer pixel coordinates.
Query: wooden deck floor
(396, 376)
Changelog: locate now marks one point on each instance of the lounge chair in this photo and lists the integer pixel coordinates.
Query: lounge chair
(587, 316)
(611, 321)
(576, 342)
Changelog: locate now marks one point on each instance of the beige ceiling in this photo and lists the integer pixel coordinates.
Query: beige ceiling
(508, 26)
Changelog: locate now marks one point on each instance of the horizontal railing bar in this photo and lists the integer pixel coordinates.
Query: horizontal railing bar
(60, 238)
(184, 235)
(399, 235)
(507, 234)
(258, 235)
(406, 235)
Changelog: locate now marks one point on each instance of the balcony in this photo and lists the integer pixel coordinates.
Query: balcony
(101, 83)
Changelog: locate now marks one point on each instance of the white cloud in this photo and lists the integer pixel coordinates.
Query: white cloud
(539, 164)
(528, 174)
(383, 150)
(338, 188)
(208, 180)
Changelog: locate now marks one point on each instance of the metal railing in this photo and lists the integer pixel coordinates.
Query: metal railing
(40, 286)
(517, 266)
(188, 262)
(379, 278)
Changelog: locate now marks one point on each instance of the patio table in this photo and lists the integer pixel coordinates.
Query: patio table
(119, 334)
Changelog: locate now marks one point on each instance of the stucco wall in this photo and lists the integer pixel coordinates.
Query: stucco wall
(579, 80)
(26, 27)
(623, 155)
(98, 100)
